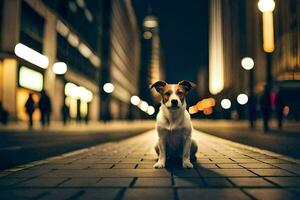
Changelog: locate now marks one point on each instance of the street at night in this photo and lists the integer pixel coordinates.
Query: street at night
(150, 99)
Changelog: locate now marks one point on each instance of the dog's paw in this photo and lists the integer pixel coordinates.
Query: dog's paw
(159, 164)
(187, 164)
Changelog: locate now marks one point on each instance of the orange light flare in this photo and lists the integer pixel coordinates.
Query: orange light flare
(286, 110)
(208, 111)
(204, 104)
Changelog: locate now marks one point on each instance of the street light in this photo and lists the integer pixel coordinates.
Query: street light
(226, 104)
(108, 87)
(135, 100)
(267, 7)
(59, 68)
(150, 22)
(247, 63)
(242, 99)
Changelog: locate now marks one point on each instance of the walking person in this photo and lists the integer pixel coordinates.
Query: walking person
(30, 107)
(3, 114)
(65, 110)
(266, 107)
(45, 108)
(279, 104)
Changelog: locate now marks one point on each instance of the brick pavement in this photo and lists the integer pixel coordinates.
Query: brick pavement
(123, 170)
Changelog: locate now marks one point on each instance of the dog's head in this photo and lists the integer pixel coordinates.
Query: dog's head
(173, 95)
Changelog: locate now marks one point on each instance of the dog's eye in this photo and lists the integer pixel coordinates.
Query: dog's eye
(167, 94)
(179, 93)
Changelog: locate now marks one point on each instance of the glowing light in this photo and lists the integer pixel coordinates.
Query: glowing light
(71, 90)
(85, 94)
(266, 5)
(247, 63)
(286, 110)
(135, 100)
(108, 87)
(147, 35)
(216, 60)
(62, 28)
(80, 3)
(88, 15)
(226, 103)
(208, 111)
(59, 68)
(242, 99)
(193, 110)
(268, 32)
(150, 22)
(30, 79)
(144, 106)
(150, 110)
(31, 56)
(84, 50)
(73, 39)
(95, 60)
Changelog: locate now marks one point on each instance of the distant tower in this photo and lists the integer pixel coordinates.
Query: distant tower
(152, 57)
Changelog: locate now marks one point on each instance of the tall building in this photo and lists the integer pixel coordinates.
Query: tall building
(152, 59)
(121, 59)
(241, 34)
(96, 44)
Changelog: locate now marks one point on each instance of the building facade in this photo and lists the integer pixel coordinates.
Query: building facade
(241, 33)
(74, 32)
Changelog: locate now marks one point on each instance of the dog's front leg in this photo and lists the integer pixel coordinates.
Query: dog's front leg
(161, 163)
(186, 163)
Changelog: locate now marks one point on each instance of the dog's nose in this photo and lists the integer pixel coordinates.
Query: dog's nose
(174, 102)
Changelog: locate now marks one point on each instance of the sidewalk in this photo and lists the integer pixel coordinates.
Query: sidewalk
(123, 170)
(285, 141)
(112, 126)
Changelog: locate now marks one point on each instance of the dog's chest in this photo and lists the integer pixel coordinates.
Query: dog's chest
(175, 138)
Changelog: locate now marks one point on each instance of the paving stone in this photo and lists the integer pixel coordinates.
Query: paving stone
(188, 182)
(185, 173)
(10, 181)
(148, 193)
(203, 193)
(271, 193)
(145, 166)
(125, 166)
(251, 182)
(128, 160)
(101, 193)
(257, 166)
(29, 173)
(226, 173)
(229, 166)
(272, 172)
(204, 161)
(279, 161)
(114, 182)
(153, 182)
(217, 182)
(21, 193)
(60, 194)
(249, 160)
(290, 167)
(101, 166)
(206, 166)
(42, 182)
(80, 182)
(286, 181)
(217, 161)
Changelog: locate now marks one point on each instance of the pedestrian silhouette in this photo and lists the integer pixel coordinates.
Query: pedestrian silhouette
(3, 114)
(30, 107)
(45, 108)
(252, 110)
(65, 110)
(279, 103)
(266, 107)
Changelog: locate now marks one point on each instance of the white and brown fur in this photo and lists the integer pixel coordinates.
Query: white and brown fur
(173, 124)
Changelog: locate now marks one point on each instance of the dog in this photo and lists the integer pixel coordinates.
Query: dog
(173, 124)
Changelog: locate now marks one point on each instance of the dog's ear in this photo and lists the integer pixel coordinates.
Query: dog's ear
(187, 85)
(159, 86)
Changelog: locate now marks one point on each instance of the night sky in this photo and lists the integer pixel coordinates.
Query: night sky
(183, 32)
